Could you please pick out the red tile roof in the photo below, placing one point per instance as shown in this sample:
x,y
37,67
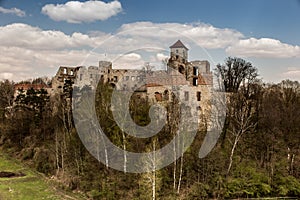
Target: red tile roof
x,y
27,86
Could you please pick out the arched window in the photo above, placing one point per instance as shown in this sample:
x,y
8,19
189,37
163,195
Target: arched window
x,y
166,95
181,69
158,96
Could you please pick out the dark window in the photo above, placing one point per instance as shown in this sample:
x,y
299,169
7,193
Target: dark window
x,y
198,96
158,96
195,71
195,81
166,95
186,95
181,69
115,78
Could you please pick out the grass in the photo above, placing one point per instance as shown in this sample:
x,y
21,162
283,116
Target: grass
x,y
30,187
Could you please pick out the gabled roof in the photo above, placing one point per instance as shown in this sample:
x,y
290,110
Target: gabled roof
x,y
179,44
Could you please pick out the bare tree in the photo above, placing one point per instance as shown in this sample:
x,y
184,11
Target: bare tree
x,y
289,99
234,73
151,180
243,112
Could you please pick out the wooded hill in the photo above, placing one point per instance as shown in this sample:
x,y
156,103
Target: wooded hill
x,y
257,155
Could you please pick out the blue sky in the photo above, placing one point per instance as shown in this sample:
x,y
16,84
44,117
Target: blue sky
x,y
42,37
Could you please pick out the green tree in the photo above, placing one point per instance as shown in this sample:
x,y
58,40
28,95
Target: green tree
x,y
6,96
34,100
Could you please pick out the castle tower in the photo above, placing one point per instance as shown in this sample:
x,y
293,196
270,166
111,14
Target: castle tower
x,y
179,52
179,57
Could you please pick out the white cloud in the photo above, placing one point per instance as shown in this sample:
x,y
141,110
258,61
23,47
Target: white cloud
x,y
130,60
5,75
292,73
263,47
28,51
209,37
78,12
24,63
131,56
29,37
161,57
203,34
14,11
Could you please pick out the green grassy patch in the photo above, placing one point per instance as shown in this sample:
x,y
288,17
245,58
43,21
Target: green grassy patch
x,y
29,187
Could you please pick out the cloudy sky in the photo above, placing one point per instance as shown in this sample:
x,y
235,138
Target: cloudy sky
x,y
36,37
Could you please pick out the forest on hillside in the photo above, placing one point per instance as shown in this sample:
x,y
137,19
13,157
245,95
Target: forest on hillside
x,y
257,154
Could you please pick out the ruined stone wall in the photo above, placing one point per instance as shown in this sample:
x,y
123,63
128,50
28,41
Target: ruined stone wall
x,y
200,95
63,74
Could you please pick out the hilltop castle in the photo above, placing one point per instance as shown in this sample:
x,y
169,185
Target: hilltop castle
x,y
194,74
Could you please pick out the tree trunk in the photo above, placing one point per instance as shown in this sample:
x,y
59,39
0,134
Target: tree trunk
x,y
153,185
174,166
105,151
124,150
231,155
56,152
154,173
180,173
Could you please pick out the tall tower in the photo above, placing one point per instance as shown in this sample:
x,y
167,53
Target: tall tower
x,y
179,57
179,52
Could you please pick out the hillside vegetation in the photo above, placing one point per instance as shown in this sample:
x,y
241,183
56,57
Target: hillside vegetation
x,y
257,155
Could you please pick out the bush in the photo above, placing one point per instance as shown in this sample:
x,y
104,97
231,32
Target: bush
x,y
27,153
247,182
286,186
198,191
43,160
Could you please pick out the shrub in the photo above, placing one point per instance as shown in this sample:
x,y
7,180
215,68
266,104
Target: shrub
x,y
286,186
